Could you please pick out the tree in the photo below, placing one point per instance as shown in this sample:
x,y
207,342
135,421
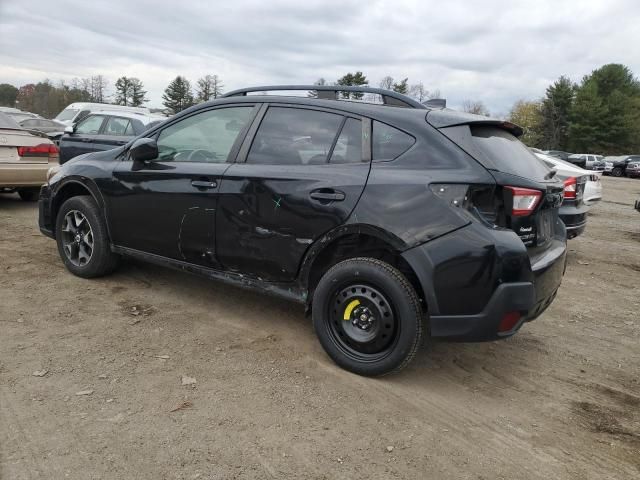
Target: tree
x,y
98,88
402,86
8,95
555,111
475,107
178,96
353,79
605,116
123,91
386,82
209,86
528,115
137,94
130,91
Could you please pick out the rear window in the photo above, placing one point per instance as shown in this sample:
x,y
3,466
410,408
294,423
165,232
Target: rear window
x,y
506,153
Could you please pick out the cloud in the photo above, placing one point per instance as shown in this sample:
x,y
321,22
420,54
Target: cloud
x,y
492,51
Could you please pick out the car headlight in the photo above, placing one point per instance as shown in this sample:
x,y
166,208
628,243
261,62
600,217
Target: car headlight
x,y
52,171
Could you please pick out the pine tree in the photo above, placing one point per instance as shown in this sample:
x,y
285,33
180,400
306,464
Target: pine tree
x,y
605,117
402,86
123,91
555,111
137,94
353,79
177,96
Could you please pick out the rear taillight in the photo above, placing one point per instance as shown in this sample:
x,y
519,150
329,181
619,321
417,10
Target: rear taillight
x,y
524,200
570,187
42,150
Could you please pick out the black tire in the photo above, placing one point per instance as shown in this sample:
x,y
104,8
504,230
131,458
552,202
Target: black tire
x,y
102,260
388,304
29,194
617,172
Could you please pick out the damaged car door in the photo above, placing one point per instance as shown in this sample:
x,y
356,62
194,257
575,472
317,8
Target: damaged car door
x,y
167,206
297,177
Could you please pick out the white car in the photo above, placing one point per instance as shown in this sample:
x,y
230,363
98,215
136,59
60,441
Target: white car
x,y
79,110
593,188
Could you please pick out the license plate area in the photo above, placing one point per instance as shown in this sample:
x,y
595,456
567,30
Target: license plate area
x,y
545,226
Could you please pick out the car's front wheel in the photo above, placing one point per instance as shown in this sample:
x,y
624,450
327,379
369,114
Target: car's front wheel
x,y
82,238
367,316
617,172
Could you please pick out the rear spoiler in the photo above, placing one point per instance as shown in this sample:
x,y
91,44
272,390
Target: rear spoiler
x,y
451,118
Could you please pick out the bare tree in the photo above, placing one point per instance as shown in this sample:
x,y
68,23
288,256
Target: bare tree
x,y
98,88
387,82
208,87
475,107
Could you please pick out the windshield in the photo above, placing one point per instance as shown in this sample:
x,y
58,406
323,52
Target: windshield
x,y
67,114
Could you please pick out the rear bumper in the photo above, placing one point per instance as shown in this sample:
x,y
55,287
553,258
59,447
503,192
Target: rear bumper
x,y
574,218
528,289
14,175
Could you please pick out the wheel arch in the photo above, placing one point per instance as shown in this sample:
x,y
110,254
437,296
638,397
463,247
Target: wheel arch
x,y
351,241
70,188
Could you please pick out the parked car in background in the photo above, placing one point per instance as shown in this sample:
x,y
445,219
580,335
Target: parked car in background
x,y
587,161
574,209
51,128
379,219
558,154
633,169
75,112
617,165
25,159
20,116
637,205
102,131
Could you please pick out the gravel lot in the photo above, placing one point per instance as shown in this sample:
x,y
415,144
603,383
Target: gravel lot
x,y
559,400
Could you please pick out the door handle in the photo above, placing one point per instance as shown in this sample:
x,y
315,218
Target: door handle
x,y
204,184
327,195
87,140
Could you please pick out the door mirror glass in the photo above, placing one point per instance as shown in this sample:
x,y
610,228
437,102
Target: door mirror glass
x,y
144,150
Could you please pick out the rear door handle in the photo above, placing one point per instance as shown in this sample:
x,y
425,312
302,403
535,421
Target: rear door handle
x,y
204,184
327,195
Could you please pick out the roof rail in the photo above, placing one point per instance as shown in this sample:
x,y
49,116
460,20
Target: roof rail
x,y
330,92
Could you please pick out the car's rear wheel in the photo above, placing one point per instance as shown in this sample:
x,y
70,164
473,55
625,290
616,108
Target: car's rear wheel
x,y
617,172
29,194
82,238
367,316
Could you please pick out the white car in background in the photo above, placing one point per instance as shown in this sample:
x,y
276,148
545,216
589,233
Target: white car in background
x,y
593,188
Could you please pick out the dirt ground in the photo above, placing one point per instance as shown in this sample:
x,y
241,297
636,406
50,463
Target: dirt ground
x,y
559,400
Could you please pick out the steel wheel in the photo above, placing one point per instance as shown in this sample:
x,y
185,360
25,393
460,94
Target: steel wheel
x,y
77,238
362,322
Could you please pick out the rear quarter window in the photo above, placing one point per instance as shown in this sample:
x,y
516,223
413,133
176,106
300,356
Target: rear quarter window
x,y
388,143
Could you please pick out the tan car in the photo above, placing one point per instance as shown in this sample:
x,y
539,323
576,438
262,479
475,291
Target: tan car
x,y
25,159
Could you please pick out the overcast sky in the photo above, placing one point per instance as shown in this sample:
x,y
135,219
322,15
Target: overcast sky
x,y
493,51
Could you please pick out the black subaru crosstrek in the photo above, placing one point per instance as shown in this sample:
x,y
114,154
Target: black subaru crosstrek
x,y
389,221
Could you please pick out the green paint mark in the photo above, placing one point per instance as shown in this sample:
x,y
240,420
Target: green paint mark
x,y
277,202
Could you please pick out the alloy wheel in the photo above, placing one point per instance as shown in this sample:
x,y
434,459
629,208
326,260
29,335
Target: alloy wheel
x,y
77,238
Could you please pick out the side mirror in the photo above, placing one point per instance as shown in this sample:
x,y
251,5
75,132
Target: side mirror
x,y
144,150
70,129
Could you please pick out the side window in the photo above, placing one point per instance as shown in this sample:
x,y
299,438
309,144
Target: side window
x,y
388,143
117,126
90,125
294,136
204,137
82,115
348,148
